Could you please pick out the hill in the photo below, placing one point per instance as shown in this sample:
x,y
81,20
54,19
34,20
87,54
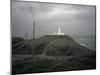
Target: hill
x,y
58,45
52,53
19,46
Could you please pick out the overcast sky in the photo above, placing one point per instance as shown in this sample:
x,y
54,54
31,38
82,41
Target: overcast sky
x,y
72,19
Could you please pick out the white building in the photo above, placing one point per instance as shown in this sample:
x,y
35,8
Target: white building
x,y
58,33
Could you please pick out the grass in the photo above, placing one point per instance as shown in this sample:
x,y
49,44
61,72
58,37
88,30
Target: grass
x,y
46,64
52,53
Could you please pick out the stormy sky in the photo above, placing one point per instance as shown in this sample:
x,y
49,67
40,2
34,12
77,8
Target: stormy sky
x,y
74,20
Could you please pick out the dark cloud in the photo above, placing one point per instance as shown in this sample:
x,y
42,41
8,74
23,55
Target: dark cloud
x,y
73,19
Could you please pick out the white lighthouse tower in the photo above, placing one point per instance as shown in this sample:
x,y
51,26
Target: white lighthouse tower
x,y
59,32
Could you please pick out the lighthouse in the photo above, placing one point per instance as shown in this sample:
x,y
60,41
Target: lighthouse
x,y
58,32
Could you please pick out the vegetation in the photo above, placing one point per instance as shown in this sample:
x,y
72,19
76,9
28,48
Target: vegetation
x,y
52,53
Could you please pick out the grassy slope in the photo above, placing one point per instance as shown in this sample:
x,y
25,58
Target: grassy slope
x,y
57,53
58,45
19,46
